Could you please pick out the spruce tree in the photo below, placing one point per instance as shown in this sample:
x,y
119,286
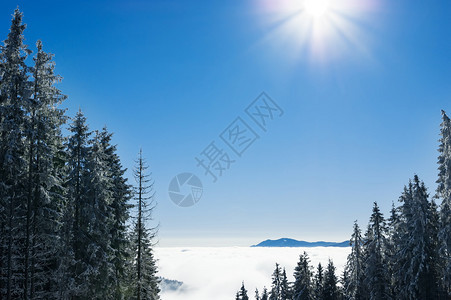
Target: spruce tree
x,y
415,278
45,190
444,193
302,286
376,279
391,248
257,294
285,291
276,287
318,282
265,295
435,273
242,293
353,286
77,211
15,91
143,276
119,206
330,288
98,212
344,281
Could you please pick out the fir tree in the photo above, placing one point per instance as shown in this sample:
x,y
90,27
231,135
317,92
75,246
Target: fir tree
x,y
302,286
15,91
444,193
276,288
415,278
120,195
144,279
434,250
391,248
353,285
78,150
257,294
318,282
46,199
285,290
265,295
344,281
376,279
242,293
330,289
98,212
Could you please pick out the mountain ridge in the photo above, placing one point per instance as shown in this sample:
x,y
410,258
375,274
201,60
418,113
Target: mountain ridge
x,y
287,242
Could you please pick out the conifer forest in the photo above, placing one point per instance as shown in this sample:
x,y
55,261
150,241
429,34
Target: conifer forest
x,y
73,226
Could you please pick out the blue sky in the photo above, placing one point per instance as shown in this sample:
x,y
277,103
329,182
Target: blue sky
x,y
361,103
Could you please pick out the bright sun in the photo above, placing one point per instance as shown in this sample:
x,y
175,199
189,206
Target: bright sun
x,y
317,8
322,30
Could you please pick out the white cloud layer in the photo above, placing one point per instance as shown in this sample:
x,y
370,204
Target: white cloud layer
x,y
217,272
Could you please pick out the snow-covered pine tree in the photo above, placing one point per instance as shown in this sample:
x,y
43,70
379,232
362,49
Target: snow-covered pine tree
x,y
434,249
121,194
415,278
242,293
98,213
257,294
46,201
302,286
318,282
285,291
344,280
265,295
376,272
15,91
444,193
330,288
353,286
76,218
391,248
276,287
144,282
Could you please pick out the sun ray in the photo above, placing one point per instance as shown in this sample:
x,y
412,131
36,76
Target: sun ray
x,y
317,8
325,28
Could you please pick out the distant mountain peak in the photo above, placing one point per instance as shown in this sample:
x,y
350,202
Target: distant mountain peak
x,y
287,242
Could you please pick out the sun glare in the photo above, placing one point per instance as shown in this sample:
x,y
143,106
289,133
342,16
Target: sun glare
x,y
317,8
319,30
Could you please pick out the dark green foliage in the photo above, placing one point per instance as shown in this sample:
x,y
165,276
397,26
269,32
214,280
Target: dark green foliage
x,y
121,193
15,91
415,274
376,277
242,293
302,286
285,290
144,281
330,289
276,287
63,202
318,282
353,286
444,193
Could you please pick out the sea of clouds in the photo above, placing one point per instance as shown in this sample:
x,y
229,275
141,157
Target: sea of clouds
x,y
217,272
